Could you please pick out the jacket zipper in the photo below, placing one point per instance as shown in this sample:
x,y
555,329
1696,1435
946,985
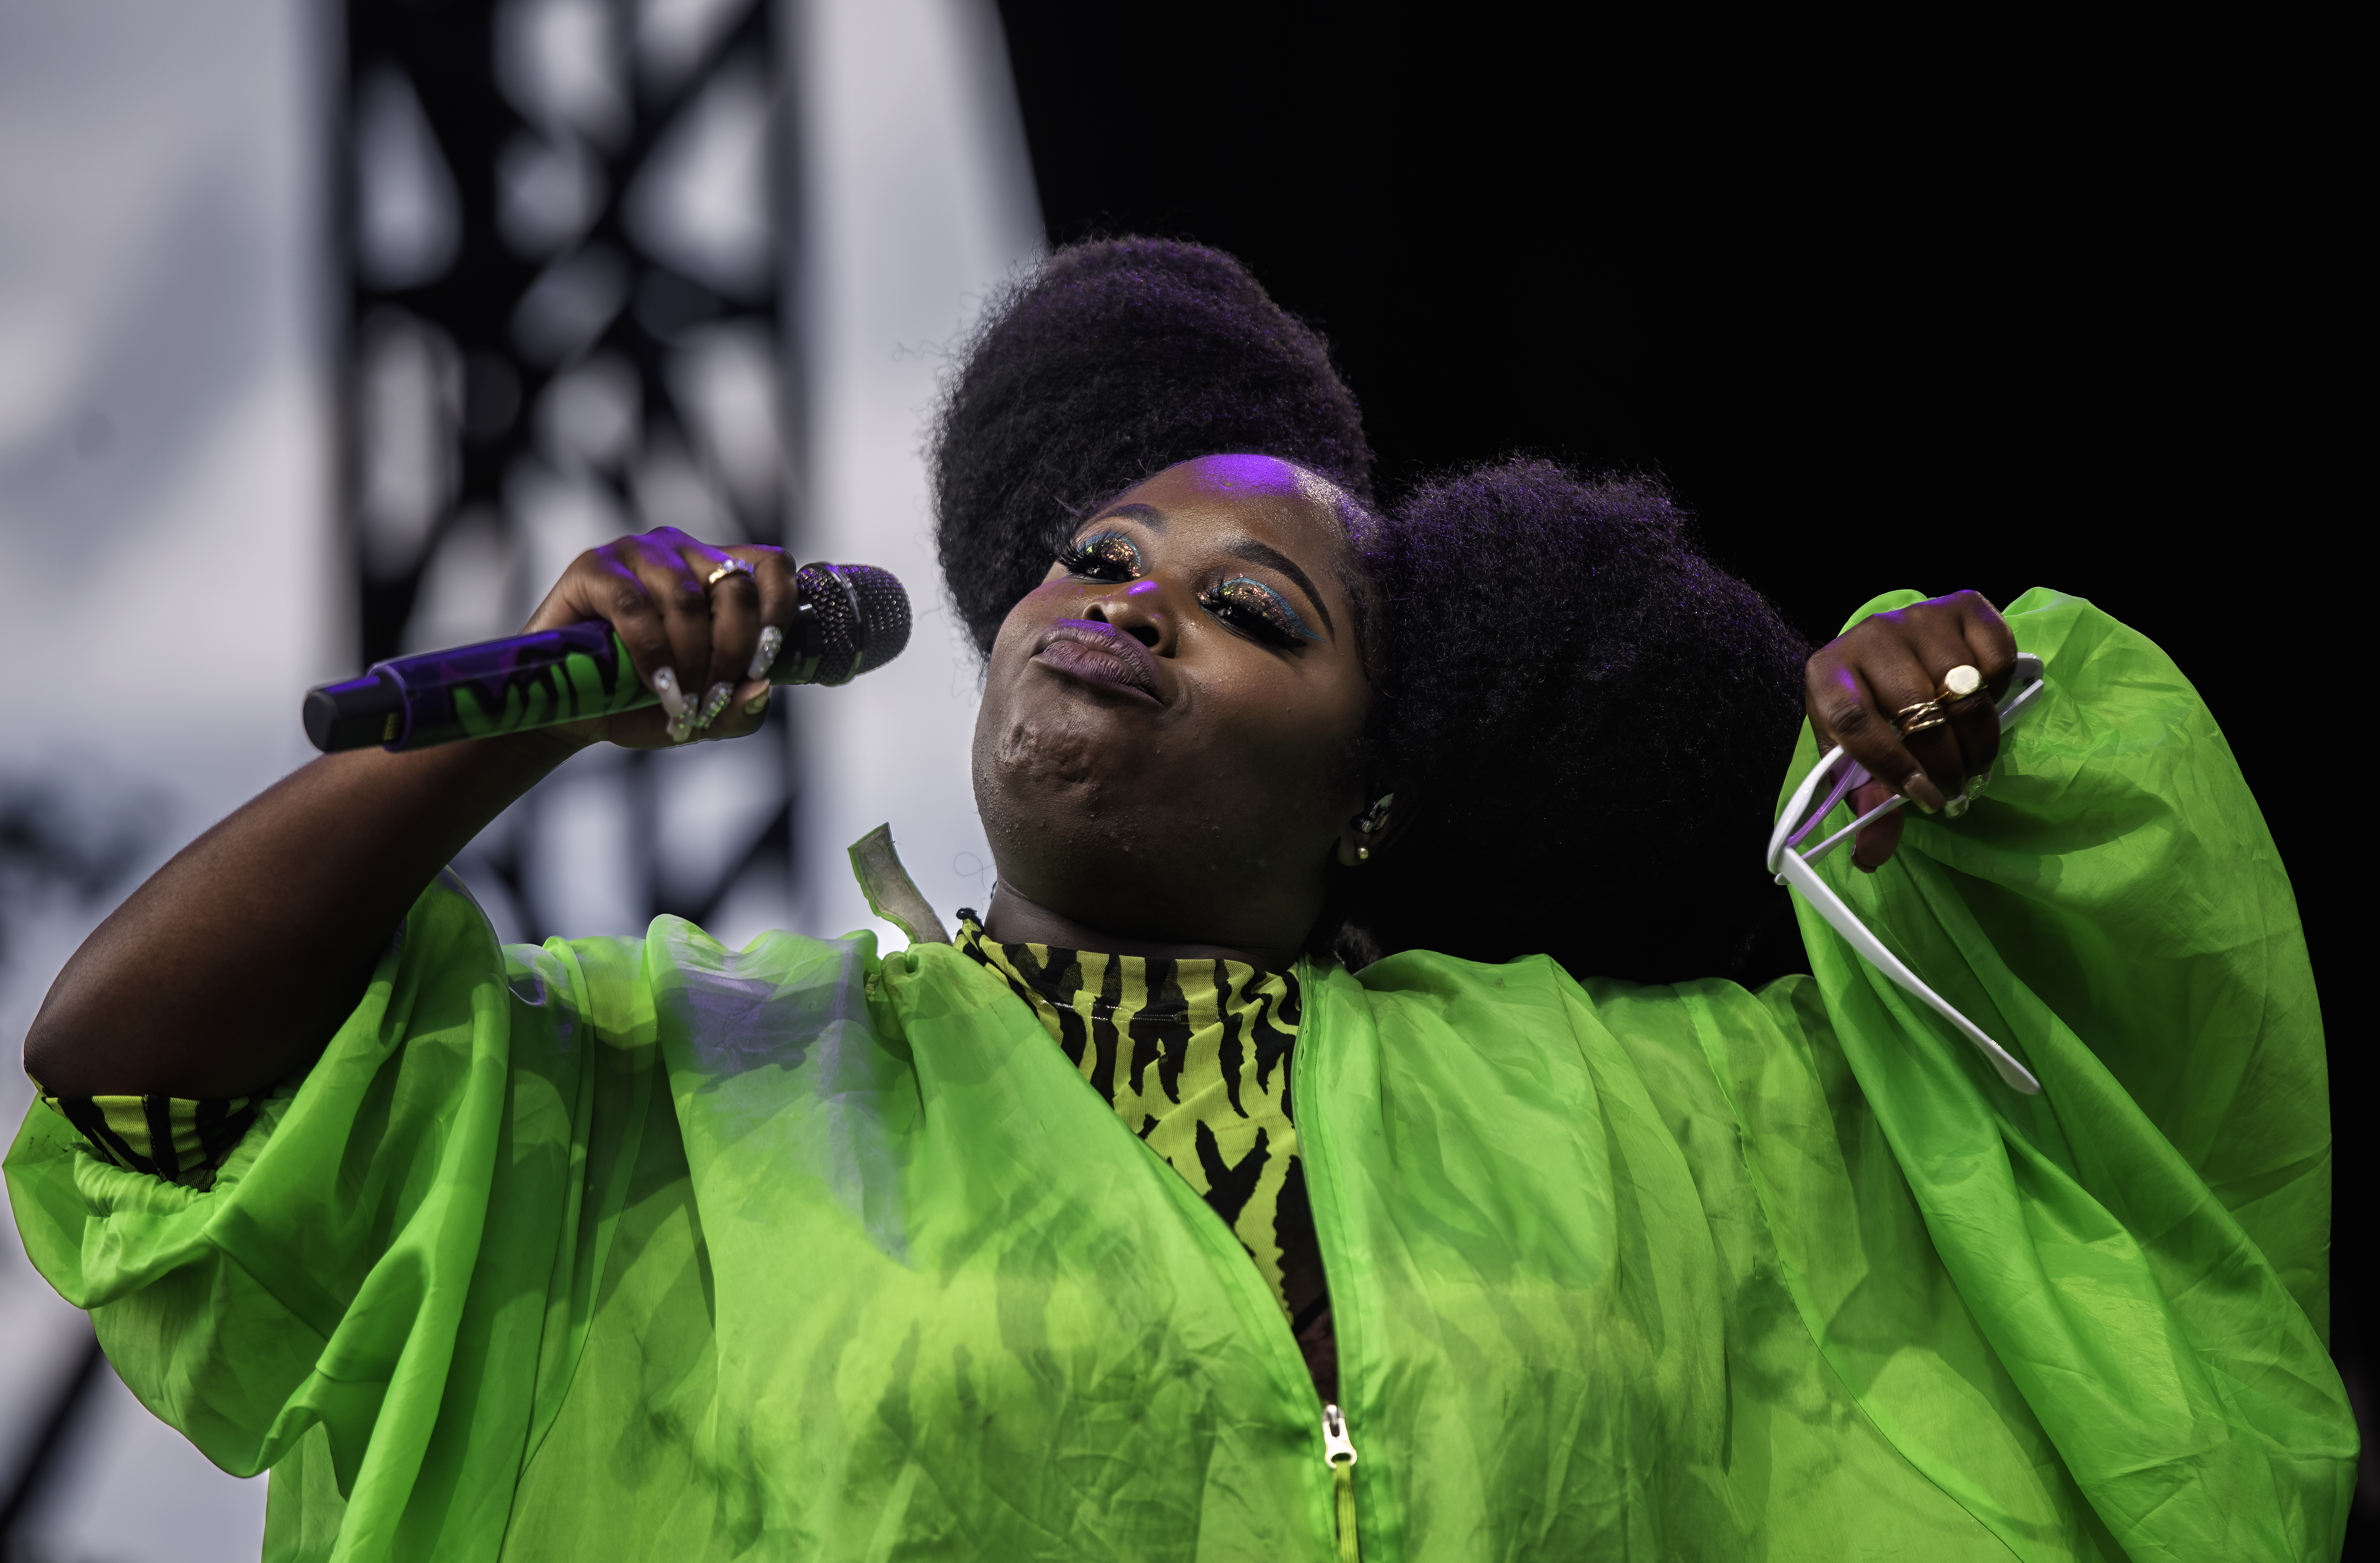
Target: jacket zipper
x,y
1337,1446
1339,1454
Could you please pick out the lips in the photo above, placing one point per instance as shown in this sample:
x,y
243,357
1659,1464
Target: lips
x,y
1100,656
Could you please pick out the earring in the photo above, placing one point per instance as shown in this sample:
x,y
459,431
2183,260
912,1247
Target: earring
x,y
1372,818
1363,854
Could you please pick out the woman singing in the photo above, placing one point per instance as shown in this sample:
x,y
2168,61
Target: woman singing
x,y
1343,1134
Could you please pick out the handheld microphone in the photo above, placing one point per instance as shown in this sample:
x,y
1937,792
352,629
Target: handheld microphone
x,y
849,618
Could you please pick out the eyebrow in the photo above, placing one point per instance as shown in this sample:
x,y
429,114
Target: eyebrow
x,y
1255,552
1248,549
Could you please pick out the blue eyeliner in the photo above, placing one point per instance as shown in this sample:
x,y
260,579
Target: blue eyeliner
x,y
1273,606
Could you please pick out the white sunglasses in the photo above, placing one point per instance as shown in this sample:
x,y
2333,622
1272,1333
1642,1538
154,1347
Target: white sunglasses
x,y
1839,774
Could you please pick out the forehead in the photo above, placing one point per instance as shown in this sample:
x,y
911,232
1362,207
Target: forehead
x,y
1284,501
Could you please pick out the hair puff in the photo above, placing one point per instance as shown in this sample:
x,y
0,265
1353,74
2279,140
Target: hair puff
x,y
1591,719
1114,360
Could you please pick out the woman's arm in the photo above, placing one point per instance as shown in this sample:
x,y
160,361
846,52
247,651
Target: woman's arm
x,y
265,929
2119,873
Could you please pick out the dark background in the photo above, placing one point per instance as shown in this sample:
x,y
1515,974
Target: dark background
x,y
1963,305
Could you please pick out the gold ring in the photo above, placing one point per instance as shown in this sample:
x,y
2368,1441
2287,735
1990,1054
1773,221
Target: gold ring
x,y
733,567
1961,682
1923,717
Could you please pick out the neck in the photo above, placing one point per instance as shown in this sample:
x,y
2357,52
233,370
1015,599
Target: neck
x,y
1014,919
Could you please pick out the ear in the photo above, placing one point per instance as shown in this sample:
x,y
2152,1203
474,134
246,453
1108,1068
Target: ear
x,y
1376,826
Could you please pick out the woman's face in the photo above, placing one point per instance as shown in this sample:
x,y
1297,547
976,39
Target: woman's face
x,y
1162,751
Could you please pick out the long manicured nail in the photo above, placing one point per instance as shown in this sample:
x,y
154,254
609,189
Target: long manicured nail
x,y
1977,783
679,730
1955,807
1919,789
673,698
757,703
764,656
714,700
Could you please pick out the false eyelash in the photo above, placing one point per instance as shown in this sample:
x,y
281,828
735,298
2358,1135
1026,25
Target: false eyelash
x,y
1107,555
1252,606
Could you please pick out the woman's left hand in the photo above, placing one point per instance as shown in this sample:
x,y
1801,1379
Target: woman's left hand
x,y
1862,683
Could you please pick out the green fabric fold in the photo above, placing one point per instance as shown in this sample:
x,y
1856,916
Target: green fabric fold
x,y
2170,1345
649,1248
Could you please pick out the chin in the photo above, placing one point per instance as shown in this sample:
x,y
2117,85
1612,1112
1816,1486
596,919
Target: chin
x,y
1069,835
1046,796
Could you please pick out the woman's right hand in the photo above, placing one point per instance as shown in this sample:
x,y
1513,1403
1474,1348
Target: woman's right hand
x,y
265,930
692,640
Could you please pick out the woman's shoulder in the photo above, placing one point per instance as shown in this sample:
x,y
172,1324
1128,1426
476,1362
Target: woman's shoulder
x,y
1428,978
1690,1034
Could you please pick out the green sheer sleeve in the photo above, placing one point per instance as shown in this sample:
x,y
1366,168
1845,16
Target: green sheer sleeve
x,y
2144,1245
423,1210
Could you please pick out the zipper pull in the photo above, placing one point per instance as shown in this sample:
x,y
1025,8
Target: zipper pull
x,y
1337,1447
1339,1454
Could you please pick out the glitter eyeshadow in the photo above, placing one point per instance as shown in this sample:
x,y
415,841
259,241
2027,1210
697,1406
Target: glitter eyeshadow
x,y
1245,596
1104,552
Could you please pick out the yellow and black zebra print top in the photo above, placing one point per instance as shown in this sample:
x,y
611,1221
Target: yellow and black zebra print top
x,y
175,1138
1194,1055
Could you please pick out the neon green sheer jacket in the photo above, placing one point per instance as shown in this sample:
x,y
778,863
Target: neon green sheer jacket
x,y
629,1249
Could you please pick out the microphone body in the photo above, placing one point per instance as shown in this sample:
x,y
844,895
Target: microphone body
x,y
848,619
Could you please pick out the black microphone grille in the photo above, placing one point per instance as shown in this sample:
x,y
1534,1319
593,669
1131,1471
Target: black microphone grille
x,y
883,613
863,618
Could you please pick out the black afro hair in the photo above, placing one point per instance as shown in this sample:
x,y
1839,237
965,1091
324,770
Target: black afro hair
x,y
1585,718
1592,718
1116,360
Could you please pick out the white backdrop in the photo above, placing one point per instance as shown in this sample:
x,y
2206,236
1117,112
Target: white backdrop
x,y
919,200
166,559
170,574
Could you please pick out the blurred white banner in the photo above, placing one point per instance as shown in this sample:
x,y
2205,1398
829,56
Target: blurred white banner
x,y
918,203
169,578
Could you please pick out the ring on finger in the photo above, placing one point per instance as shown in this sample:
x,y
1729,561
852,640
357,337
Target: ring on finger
x,y
733,567
1961,682
1923,717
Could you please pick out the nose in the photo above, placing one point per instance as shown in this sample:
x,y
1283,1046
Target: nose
x,y
1138,610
